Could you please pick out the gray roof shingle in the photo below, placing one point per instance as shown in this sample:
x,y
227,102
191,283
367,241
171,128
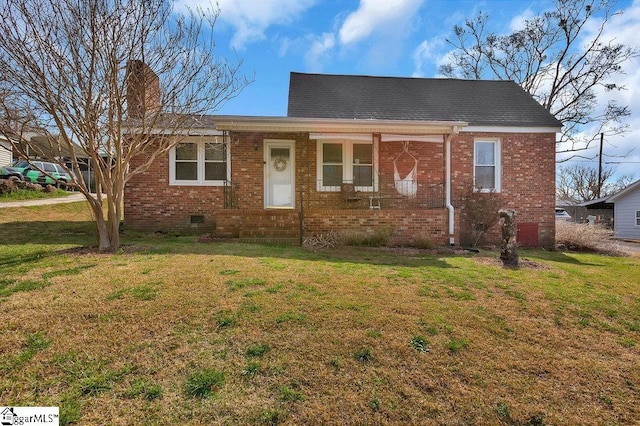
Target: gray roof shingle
x,y
478,102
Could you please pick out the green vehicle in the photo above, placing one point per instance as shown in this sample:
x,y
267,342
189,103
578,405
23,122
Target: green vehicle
x,y
55,174
11,174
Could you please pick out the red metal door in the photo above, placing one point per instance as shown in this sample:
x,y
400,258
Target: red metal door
x,y
527,234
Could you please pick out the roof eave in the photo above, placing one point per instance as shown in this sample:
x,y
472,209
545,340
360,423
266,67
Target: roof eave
x,y
296,124
624,191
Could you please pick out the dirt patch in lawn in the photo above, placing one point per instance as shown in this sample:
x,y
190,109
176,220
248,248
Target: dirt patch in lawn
x,y
522,263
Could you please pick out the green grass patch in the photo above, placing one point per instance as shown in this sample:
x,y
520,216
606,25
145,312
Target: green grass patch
x,y
203,383
251,369
34,343
272,416
256,351
26,194
291,393
11,286
457,345
144,292
363,355
291,317
419,343
241,283
68,271
144,389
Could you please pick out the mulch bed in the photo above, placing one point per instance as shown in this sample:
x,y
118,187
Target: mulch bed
x,y
522,263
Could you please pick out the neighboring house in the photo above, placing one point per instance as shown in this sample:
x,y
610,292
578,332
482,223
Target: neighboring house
x,y
600,208
626,212
361,154
6,152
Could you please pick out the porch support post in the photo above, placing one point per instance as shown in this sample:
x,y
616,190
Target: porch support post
x,y
448,204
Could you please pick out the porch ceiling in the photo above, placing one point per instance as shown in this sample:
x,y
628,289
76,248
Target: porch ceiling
x,y
295,124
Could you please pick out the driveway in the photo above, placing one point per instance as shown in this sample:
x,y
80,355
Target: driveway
x,y
73,198
632,248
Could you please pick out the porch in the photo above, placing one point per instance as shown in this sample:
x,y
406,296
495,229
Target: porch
x,y
404,226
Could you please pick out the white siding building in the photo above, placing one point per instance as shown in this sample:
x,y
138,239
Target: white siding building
x,y
626,215
5,153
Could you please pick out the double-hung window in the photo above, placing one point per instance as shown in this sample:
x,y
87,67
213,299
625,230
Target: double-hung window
x,y
637,217
199,162
486,165
345,161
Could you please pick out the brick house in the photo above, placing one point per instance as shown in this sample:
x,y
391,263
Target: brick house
x,y
361,154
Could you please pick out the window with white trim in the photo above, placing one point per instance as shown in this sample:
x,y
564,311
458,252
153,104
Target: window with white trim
x,y
486,165
637,217
199,162
344,161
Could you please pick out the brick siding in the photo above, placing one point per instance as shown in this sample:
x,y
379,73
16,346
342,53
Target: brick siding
x,y
528,186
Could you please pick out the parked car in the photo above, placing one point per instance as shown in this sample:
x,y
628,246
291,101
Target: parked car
x,y
55,174
10,173
561,214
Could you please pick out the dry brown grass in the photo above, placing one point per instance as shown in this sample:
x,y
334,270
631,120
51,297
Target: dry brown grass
x,y
113,339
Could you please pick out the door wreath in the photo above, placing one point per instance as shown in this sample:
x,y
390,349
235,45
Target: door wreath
x,y
280,164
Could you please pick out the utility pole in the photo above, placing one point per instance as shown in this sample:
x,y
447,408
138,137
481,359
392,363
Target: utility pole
x,y
600,166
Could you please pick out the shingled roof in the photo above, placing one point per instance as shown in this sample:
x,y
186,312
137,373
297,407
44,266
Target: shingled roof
x,y
478,102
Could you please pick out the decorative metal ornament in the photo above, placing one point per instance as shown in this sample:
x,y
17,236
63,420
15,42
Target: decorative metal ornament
x,y
280,164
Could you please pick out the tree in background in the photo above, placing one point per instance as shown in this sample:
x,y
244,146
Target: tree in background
x,y
576,183
67,68
550,58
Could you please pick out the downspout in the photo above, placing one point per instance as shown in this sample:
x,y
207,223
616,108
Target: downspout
x,y
448,204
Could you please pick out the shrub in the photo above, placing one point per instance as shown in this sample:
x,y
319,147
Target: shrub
x,y
379,237
376,238
481,211
580,237
320,241
423,240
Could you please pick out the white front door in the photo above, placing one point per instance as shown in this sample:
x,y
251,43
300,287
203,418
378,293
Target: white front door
x,y
279,174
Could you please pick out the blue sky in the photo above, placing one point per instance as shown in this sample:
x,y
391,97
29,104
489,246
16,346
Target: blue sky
x,y
378,37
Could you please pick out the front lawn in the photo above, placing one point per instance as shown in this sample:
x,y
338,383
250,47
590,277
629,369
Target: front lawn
x,y
171,331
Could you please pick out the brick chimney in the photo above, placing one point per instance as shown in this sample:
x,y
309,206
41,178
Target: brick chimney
x,y
143,89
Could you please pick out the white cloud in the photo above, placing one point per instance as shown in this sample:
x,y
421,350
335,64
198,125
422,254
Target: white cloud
x,y
378,15
517,22
319,51
427,52
250,19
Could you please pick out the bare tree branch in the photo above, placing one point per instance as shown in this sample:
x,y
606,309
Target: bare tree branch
x,y
577,183
66,67
550,60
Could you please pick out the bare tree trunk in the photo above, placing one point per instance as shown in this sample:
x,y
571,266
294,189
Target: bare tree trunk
x,y
101,225
508,253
